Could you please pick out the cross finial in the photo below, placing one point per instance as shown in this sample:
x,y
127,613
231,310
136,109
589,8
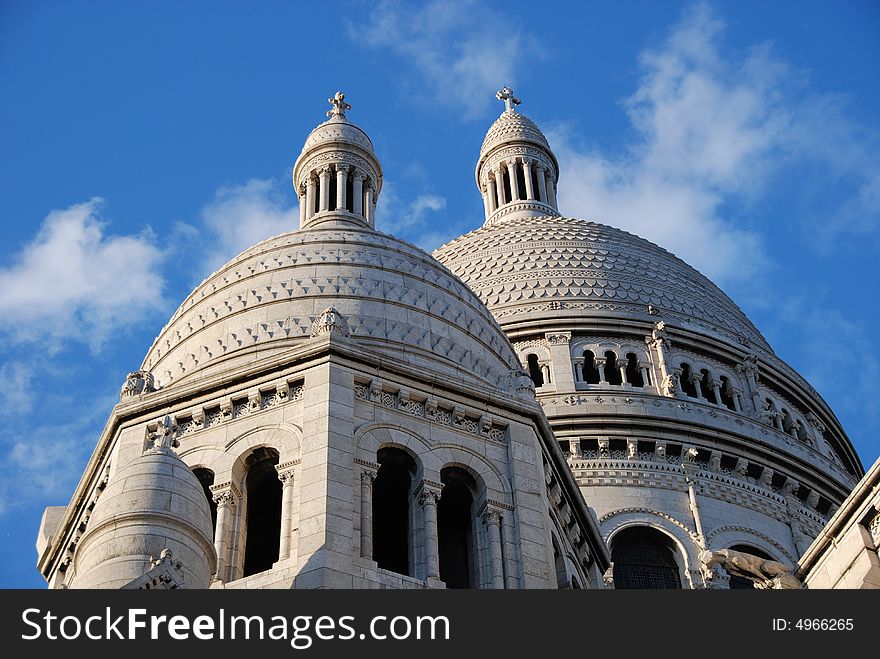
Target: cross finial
x,y
506,95
339,105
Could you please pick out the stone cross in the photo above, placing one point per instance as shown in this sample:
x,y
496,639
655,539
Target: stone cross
x,y
339,105
506,95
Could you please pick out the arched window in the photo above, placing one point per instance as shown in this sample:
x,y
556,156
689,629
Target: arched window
x,y
536,190
687,384
741,583
727,393
706,385
455,528
263,511
644,558
612,370
633,372
535,370
206,478
507,186
391,509
520,180
591,373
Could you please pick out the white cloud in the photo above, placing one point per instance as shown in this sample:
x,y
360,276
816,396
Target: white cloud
x,y
410,220
711,130
75,282
463,50
241,216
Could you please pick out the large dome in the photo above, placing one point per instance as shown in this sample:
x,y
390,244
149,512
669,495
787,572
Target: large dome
x,y
557,267
394,297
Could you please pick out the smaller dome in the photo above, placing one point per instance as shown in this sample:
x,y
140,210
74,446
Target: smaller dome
x,y
153,504
512,126
338,129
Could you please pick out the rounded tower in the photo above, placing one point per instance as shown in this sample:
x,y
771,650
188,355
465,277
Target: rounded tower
x,y
683,428
152,517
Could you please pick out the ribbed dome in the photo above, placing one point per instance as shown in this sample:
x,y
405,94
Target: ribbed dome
x,y
393,296
561,267
338,129
153,503
512,126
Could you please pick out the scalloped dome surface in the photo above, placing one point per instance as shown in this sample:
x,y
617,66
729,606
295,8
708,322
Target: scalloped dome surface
x,y
511,126
563,267
338,129
395,298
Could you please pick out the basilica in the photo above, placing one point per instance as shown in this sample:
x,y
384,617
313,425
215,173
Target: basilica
x,y
544,402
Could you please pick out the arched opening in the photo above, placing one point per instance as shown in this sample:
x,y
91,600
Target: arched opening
x,y
644,558
591,373
633,372
206,479
455,527
727,393
520,180
536,190
349,194
332,201
506,177
391,509
706,386
535,370
612,370
263,511
741,583
687,381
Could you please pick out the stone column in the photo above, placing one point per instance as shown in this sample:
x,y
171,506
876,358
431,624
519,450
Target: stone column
x,y
357,192
492,193
527,174
690,473
560,356
622,367
514,185
716,391
285,475
341,184
310,197
492,520
368,202
499,178
551,190
646,378
226,497
737,401
600,366
486,209
578,370
324,193
367,478
698,389
429,498
542,182
302,207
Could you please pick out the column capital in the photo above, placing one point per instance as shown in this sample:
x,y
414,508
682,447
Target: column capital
x,y
225,494
324,170
285,471
357,174
491,516
429,495
368,476
342,168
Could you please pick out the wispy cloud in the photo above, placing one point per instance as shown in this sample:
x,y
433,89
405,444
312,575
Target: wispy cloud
x,y
241,216
415,220
76,282
462,50
711,129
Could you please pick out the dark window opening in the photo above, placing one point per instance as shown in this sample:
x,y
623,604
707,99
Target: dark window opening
x,y
391,510
206,479
349,194
454,527
612,370
705,386
520,180
317,194
727,393
263,511
506,177
535,370
741,583
591,373
332,201
644,558
687,384
536,190
633,372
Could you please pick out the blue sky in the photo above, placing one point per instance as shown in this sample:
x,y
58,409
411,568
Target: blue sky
x,y
145,144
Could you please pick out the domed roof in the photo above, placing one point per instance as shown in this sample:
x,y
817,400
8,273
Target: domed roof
x,y
512,126
394,298
153,503
558,267
338,129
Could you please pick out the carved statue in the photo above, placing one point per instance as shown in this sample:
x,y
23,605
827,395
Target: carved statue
x,y
339,105
765,574
165,435
767,414
330,322
137,383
